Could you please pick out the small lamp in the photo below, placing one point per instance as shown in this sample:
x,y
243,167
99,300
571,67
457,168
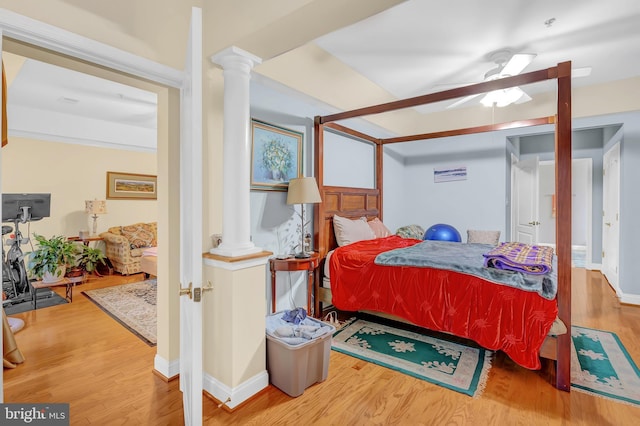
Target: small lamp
x,y
303,190
95,207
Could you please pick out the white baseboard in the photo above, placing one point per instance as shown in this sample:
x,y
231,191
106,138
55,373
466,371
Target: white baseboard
x,y
631,299
594,266
240,393
167,368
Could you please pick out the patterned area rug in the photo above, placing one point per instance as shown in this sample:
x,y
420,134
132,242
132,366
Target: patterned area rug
x,y
451,365
601,366
132,305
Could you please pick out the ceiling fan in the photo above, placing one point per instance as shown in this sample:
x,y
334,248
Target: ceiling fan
x,y
508,65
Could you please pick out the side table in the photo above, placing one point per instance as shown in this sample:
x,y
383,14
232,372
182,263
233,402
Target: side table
x,y
293,264
85,241
41,284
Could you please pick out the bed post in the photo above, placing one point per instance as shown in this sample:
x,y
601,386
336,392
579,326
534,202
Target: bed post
x,y
563,223
318,166
379,164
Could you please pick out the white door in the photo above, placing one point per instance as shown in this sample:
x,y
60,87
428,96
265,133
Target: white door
x,y
525,201
1,124
610,215
191,226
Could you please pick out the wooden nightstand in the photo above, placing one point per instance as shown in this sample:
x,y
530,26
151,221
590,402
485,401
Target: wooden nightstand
x,y
292,264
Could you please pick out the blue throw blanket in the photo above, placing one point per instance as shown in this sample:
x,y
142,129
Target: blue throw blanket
x,y
468,259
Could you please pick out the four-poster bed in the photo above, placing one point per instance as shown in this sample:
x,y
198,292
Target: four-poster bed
x,y
367,202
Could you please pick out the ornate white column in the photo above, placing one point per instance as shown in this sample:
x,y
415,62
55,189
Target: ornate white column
x,y
236,213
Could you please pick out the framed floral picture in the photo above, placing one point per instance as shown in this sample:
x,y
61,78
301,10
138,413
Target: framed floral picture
x,y
276,156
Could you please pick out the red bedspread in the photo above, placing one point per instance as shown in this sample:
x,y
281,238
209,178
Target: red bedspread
x,y
496,316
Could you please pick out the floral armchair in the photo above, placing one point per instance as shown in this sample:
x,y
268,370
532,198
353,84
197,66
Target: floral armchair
x,y
125,244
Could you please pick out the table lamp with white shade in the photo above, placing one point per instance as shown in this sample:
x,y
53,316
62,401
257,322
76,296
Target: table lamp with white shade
x,y
94,208
303,190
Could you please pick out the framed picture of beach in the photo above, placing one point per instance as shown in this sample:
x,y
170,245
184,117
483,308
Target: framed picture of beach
x,y
276,156
449,174
131,186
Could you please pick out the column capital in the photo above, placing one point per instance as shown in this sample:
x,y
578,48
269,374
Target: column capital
x,y
234,55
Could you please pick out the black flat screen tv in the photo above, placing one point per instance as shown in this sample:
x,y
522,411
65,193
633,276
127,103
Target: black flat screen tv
x,y
25,207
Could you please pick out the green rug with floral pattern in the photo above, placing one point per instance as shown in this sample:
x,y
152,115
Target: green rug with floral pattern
x,y
448,364
601,366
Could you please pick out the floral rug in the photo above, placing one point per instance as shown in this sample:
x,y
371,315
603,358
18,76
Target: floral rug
x,y
132,305
448,364
601,366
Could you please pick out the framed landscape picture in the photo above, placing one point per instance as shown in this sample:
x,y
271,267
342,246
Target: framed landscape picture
x,y
131,186
276,156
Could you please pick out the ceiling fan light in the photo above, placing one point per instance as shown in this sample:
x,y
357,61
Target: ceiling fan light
x,y
517,63
502,97
490,98
509,96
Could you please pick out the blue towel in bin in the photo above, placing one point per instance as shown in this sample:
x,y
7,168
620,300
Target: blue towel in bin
x,y
295,315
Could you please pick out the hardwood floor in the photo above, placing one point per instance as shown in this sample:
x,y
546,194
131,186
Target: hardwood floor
x,y
75,353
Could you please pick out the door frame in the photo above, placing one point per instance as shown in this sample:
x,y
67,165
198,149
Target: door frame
x,y
614,280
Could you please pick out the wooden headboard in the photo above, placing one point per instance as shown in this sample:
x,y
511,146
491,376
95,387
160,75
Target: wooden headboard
x,y
351,203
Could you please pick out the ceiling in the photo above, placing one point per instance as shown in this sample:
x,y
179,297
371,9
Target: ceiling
x,y
414,48
420,47
50,102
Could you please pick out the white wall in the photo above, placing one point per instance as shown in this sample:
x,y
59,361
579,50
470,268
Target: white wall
x,y
393,175
475,203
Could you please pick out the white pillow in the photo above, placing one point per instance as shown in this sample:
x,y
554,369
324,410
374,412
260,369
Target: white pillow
x,y
483,237
349,231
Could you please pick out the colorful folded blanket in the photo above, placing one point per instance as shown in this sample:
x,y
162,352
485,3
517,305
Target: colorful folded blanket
x,y
520,257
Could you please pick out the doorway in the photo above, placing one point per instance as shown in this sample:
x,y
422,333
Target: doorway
x,y
581,208
533,206
94,60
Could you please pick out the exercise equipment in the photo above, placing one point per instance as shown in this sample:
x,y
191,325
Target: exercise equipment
x,y
442,232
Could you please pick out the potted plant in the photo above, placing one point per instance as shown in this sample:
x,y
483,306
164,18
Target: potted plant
x,y
89,258
51,258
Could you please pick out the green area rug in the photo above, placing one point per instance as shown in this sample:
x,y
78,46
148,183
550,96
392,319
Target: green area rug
x,y
132,305
448,364
601,366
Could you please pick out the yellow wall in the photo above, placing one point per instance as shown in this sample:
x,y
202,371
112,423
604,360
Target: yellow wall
x,y
73,174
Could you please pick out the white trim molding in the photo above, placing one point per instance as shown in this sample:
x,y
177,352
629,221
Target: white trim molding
x,y
38,33
236,266
168,369
233,397
630,299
